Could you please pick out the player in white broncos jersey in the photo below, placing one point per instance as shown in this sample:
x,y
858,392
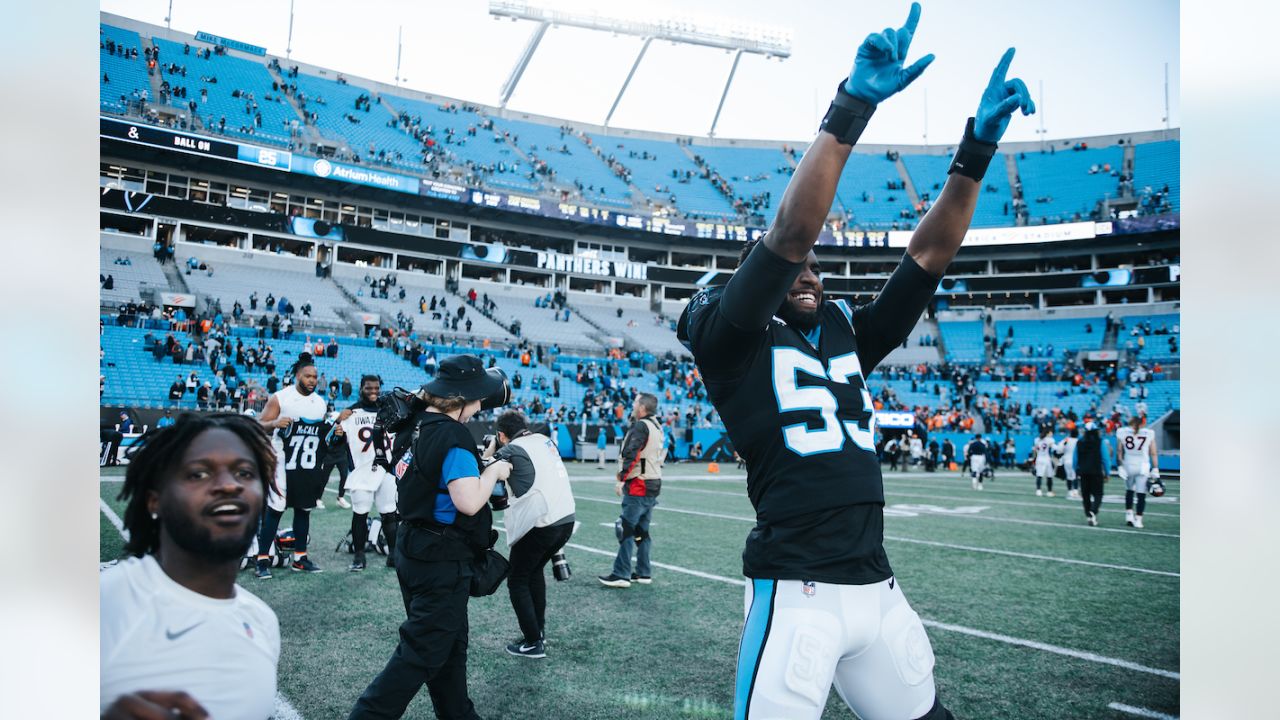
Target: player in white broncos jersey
x,y
368,482
1136,446
1067,449
1042,449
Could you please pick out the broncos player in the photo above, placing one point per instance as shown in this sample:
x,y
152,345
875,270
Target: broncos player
x,y
786,369
1139,464
1042,459
369,482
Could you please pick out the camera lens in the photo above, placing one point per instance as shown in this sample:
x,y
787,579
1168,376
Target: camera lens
x,y
560,566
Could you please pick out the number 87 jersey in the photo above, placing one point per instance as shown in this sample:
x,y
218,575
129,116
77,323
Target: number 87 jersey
x,y
369,446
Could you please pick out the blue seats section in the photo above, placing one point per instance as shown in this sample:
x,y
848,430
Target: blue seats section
x,y
870,174
484,149
1155,165
696,197
334,103
995,208
232,74
124,75
1064,177
963,341
1038,335
769,170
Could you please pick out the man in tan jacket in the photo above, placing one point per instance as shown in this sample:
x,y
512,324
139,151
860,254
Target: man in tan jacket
x,y
640,461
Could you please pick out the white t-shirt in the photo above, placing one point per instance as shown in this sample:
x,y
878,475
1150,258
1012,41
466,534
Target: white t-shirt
x,y
158,635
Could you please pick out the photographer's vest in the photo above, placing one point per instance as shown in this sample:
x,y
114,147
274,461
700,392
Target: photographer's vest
x,y
645,477
549,500
419,474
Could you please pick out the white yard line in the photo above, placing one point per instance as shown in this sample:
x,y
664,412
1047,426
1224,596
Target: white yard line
x,y
1141,712
972,632
284,709
950,546
114,518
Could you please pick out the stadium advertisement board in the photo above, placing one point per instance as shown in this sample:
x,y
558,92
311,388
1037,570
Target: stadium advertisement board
x,y
244,47
321,168
1017,235
143,134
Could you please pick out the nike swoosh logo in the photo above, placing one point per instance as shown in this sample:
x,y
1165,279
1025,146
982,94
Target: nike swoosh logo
x,y
890,583
527,648
175,635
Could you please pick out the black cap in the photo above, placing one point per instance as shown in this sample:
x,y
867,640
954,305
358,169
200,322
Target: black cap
x,y
463,375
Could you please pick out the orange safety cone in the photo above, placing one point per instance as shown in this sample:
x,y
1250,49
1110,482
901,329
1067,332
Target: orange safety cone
x,y
713,467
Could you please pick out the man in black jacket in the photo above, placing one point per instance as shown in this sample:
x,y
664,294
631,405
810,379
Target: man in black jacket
x,y
1093,467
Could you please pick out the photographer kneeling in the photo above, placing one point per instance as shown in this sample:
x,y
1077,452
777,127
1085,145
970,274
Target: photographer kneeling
x,y
445,523
539,520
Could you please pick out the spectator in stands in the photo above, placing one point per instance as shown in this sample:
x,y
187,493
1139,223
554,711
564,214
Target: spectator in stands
x,y
204,395
177,389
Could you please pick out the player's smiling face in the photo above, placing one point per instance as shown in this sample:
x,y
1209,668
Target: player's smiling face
x,y
211,500
805,297
369,392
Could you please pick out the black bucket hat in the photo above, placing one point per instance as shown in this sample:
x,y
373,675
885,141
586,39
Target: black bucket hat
x,y
464,375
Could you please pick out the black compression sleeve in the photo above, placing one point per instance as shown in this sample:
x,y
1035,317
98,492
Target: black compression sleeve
x,y
757,288
887,321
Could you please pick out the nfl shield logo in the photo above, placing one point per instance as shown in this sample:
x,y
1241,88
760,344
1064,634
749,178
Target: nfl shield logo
x,y
248,631
403,465
809,589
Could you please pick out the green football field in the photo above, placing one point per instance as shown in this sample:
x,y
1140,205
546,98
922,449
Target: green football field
x,y
1031,613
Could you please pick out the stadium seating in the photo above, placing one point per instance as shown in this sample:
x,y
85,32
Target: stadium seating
x,y
769,169
1064,179
334,103
484,149
1156,165
636,323
238,273
1154,347
124,75
995,209
963,340
695,196
571,159
1161,397
1033,338
142,272
1045,394
882,209
231,74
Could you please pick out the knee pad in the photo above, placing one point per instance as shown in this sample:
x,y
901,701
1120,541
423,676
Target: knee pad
x,y
908,644
623,529
641,534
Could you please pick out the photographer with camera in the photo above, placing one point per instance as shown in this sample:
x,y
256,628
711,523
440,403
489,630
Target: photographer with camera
x,y
445,526
539,518
644,450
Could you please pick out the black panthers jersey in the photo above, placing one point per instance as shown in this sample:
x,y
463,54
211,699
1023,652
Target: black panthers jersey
x,y
305,471
797,408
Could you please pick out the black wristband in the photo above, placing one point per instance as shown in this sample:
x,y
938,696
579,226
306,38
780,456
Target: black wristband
x,y
973,156
847,116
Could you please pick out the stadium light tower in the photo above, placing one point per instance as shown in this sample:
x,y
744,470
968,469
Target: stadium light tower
x,y
759,40
1040,112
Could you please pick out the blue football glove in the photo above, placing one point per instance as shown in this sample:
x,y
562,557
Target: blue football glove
x,y
877,70
999,101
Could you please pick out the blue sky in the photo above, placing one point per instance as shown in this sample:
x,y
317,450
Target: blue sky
x,y
1101,63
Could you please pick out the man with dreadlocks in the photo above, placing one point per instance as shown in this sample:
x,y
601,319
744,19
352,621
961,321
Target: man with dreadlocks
x,y
295,414
178,637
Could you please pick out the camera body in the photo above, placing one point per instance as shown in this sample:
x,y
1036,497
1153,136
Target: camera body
x,y
502,395
498,499
560,566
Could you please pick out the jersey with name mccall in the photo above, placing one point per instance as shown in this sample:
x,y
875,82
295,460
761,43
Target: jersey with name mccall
x,y
797,408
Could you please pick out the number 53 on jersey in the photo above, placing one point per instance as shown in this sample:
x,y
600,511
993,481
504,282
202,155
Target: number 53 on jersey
x,y
788,365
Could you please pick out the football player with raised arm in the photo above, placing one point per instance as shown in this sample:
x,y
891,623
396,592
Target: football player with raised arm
x,y
786,369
